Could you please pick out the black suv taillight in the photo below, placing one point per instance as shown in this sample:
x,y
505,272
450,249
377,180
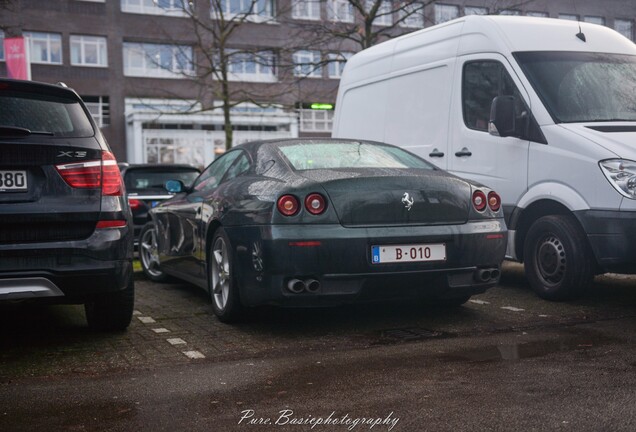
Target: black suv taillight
x,y
94,174
111,177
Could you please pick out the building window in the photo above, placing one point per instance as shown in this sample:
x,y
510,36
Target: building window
x,y
569,17
157,61
412,15
538,14
45,48
340,10
337,63
1,45
307,64
316,120
254,67
99,108
384,15
88,51
171,149
253,10
445,13
306,9
509,12
624,27
474,10
156,7
594,20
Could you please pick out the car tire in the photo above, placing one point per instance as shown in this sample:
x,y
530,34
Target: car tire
x,y
223,288
149,255
112,312
558,261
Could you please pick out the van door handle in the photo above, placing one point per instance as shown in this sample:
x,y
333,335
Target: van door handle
x,y
463,152
436,153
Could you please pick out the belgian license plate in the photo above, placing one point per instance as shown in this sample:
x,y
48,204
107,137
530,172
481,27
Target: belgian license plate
x,y
408,253
13,181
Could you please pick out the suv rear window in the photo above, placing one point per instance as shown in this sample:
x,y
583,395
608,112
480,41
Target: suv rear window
x,y
42,113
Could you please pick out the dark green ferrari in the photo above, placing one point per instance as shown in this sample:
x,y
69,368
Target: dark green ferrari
x,y
313,222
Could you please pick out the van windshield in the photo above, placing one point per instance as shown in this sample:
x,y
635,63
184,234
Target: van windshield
x,y
583,87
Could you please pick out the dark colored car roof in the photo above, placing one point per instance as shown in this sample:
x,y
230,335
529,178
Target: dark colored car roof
x,y
38,87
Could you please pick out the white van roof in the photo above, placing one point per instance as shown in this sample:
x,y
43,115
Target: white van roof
x,y
484,33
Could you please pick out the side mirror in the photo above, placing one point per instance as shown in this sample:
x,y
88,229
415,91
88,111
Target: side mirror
x,y
175,186
502,117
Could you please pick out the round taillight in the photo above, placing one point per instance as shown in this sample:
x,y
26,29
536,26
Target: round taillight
x,y
494,201
315,203
288,205
479,200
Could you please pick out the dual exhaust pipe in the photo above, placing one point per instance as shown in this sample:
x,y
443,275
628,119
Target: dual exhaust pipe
x,y
298,286
487,274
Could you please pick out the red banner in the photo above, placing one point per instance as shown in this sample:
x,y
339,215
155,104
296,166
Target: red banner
x,y
16,56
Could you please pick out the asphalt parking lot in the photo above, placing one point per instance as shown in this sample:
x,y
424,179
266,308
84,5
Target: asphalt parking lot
x,y
504,361
174,324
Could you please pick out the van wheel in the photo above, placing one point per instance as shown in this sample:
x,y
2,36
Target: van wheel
x,y
557,260
112,312
223,288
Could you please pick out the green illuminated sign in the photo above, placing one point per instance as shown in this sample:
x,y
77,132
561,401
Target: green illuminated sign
x,y
321,106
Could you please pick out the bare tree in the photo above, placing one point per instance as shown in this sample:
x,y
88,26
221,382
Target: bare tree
x,y
224,54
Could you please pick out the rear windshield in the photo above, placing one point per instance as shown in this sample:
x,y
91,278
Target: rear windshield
x,y
332,155
140,179
46,114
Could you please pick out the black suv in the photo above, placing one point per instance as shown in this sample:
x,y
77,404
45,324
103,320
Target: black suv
x,y
65,226
145,186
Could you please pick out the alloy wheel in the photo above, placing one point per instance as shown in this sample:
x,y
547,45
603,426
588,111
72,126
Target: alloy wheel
x,y
220,273
149,253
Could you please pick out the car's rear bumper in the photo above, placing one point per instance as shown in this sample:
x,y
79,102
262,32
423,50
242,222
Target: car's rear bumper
x,y
72,271
339,259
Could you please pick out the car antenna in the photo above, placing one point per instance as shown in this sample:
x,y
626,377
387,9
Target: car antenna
x,y
580,34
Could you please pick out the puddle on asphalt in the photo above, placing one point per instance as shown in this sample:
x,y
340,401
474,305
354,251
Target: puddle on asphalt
x,y
578,341
523,350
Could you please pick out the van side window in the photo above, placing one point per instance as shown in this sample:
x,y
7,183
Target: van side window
x,y
482,81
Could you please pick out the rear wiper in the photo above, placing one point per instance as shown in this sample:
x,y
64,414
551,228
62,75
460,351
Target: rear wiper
x,y
13,131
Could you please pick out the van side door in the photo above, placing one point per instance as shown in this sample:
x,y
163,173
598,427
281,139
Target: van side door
x,y
500,163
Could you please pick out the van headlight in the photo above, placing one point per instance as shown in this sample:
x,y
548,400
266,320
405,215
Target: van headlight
x,y
621,173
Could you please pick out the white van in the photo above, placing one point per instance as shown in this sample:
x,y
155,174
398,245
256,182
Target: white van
x,y
541,110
